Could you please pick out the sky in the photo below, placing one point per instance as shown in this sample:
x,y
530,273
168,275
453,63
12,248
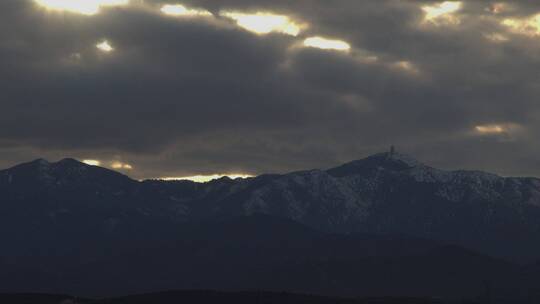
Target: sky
x,y
161,89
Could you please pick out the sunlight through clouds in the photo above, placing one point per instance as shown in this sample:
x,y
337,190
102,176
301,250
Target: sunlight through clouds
x,y
327,44
526,26
498,129
178,10
92,162
105,46
264,23
206,178
117,165
490,129
85,7
121,166
443,12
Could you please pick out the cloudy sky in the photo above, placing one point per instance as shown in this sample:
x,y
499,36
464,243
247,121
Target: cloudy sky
x,y
167,89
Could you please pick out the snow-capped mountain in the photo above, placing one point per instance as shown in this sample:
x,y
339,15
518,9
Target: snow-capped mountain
x,y
387,193
391,193
358,229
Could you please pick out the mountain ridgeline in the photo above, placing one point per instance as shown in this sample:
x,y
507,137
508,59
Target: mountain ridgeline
x,y
384,225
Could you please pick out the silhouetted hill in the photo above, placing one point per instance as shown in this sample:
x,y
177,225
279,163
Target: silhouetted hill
x,y
266,253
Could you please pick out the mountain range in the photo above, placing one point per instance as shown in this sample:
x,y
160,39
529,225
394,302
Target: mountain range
x,y
384,225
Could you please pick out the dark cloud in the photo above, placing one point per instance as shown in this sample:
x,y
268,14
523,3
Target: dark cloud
x,y
183,96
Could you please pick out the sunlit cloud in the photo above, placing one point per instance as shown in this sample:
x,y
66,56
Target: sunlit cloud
x,y
443,13
264,23
490,129
114,164
526,26
497,129
327,44
105,46
206,178
121,166
84,7
92,162
179,10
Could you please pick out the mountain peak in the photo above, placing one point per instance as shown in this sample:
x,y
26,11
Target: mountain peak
x,y
65,171
394,158
391,160
45,164
70,162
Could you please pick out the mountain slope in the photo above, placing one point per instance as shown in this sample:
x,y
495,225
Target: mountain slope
x,y
387,193
390,193
474,209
